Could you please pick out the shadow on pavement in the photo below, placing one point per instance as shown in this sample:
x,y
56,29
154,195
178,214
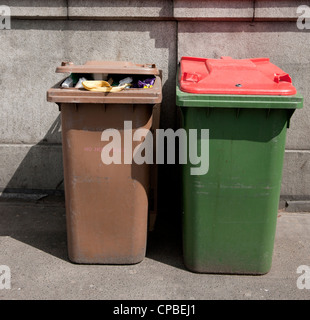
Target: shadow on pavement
x,y
42,225
165,242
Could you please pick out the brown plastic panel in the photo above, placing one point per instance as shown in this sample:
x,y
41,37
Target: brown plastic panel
x,y
115,67
106,205
132,96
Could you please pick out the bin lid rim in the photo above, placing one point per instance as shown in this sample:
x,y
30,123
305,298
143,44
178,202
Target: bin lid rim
x,y
184,99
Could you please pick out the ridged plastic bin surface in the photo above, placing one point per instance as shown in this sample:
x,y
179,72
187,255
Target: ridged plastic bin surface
x,y
107,205
230,213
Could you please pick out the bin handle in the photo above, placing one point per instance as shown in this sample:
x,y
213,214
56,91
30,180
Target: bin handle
x,y
191,77
66,63
149,65
282,77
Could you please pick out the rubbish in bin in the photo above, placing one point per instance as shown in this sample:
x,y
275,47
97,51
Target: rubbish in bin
x,y
79,84
127,80
67,83
107,205
103,86
230,213
147,83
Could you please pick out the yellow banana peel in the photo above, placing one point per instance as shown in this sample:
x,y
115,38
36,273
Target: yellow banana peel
x,y
102,86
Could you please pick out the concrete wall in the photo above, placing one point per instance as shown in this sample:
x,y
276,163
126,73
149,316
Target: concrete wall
x,y
44,33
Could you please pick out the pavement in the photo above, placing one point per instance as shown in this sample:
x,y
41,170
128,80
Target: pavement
x,y
33,247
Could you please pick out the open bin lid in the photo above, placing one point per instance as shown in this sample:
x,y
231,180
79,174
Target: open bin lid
x,y
234,77
127,96
111,67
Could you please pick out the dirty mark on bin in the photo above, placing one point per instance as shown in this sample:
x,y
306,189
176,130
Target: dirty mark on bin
x,y
202,192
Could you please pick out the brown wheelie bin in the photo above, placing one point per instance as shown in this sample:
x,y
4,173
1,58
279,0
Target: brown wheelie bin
x,y
107,205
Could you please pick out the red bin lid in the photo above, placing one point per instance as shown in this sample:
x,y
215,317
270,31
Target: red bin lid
x,y
233,76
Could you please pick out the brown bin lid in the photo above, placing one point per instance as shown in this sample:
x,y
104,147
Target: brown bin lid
x,y
119,67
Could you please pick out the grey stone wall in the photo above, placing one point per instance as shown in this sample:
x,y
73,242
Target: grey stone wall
x,y
44,33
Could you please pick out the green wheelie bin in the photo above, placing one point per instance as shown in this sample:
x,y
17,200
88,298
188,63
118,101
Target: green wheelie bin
x,y
230,210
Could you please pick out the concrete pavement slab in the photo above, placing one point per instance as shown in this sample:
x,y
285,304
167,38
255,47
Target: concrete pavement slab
x,y
33,246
